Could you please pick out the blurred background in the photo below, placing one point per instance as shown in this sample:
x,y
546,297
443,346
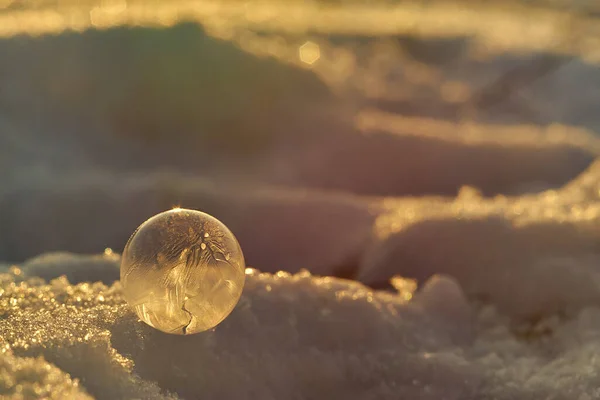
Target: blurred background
x,y
294,122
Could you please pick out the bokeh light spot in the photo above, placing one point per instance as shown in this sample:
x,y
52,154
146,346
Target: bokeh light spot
x,y
309,53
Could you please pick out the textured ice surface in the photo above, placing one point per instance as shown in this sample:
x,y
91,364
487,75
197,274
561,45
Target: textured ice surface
x,y
27,378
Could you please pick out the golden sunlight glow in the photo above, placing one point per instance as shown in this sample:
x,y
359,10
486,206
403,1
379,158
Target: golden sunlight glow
x,y
106,12
5,3
220,18
309,53
405,287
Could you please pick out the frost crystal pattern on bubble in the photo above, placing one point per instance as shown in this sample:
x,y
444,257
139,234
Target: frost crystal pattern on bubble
x,y
182,271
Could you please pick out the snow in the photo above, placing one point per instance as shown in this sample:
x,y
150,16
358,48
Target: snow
x,y
299,334
26,378
403,242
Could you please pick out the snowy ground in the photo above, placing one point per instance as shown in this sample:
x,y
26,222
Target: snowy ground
x,y
434,168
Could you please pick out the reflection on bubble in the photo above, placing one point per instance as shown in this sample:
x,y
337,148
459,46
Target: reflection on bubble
x,y
182,271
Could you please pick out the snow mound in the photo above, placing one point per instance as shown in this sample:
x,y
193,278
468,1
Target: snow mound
x,y
532,256
291,336
27,378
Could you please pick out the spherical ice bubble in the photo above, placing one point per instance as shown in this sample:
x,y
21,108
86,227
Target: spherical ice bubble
x,y
182,271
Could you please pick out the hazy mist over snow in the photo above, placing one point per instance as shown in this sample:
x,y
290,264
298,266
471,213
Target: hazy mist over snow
x,y
418,199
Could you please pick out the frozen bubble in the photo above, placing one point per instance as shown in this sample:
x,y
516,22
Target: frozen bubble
x,y
182,271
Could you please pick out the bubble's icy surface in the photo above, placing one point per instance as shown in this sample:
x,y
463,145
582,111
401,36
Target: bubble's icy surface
x,y
182,271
